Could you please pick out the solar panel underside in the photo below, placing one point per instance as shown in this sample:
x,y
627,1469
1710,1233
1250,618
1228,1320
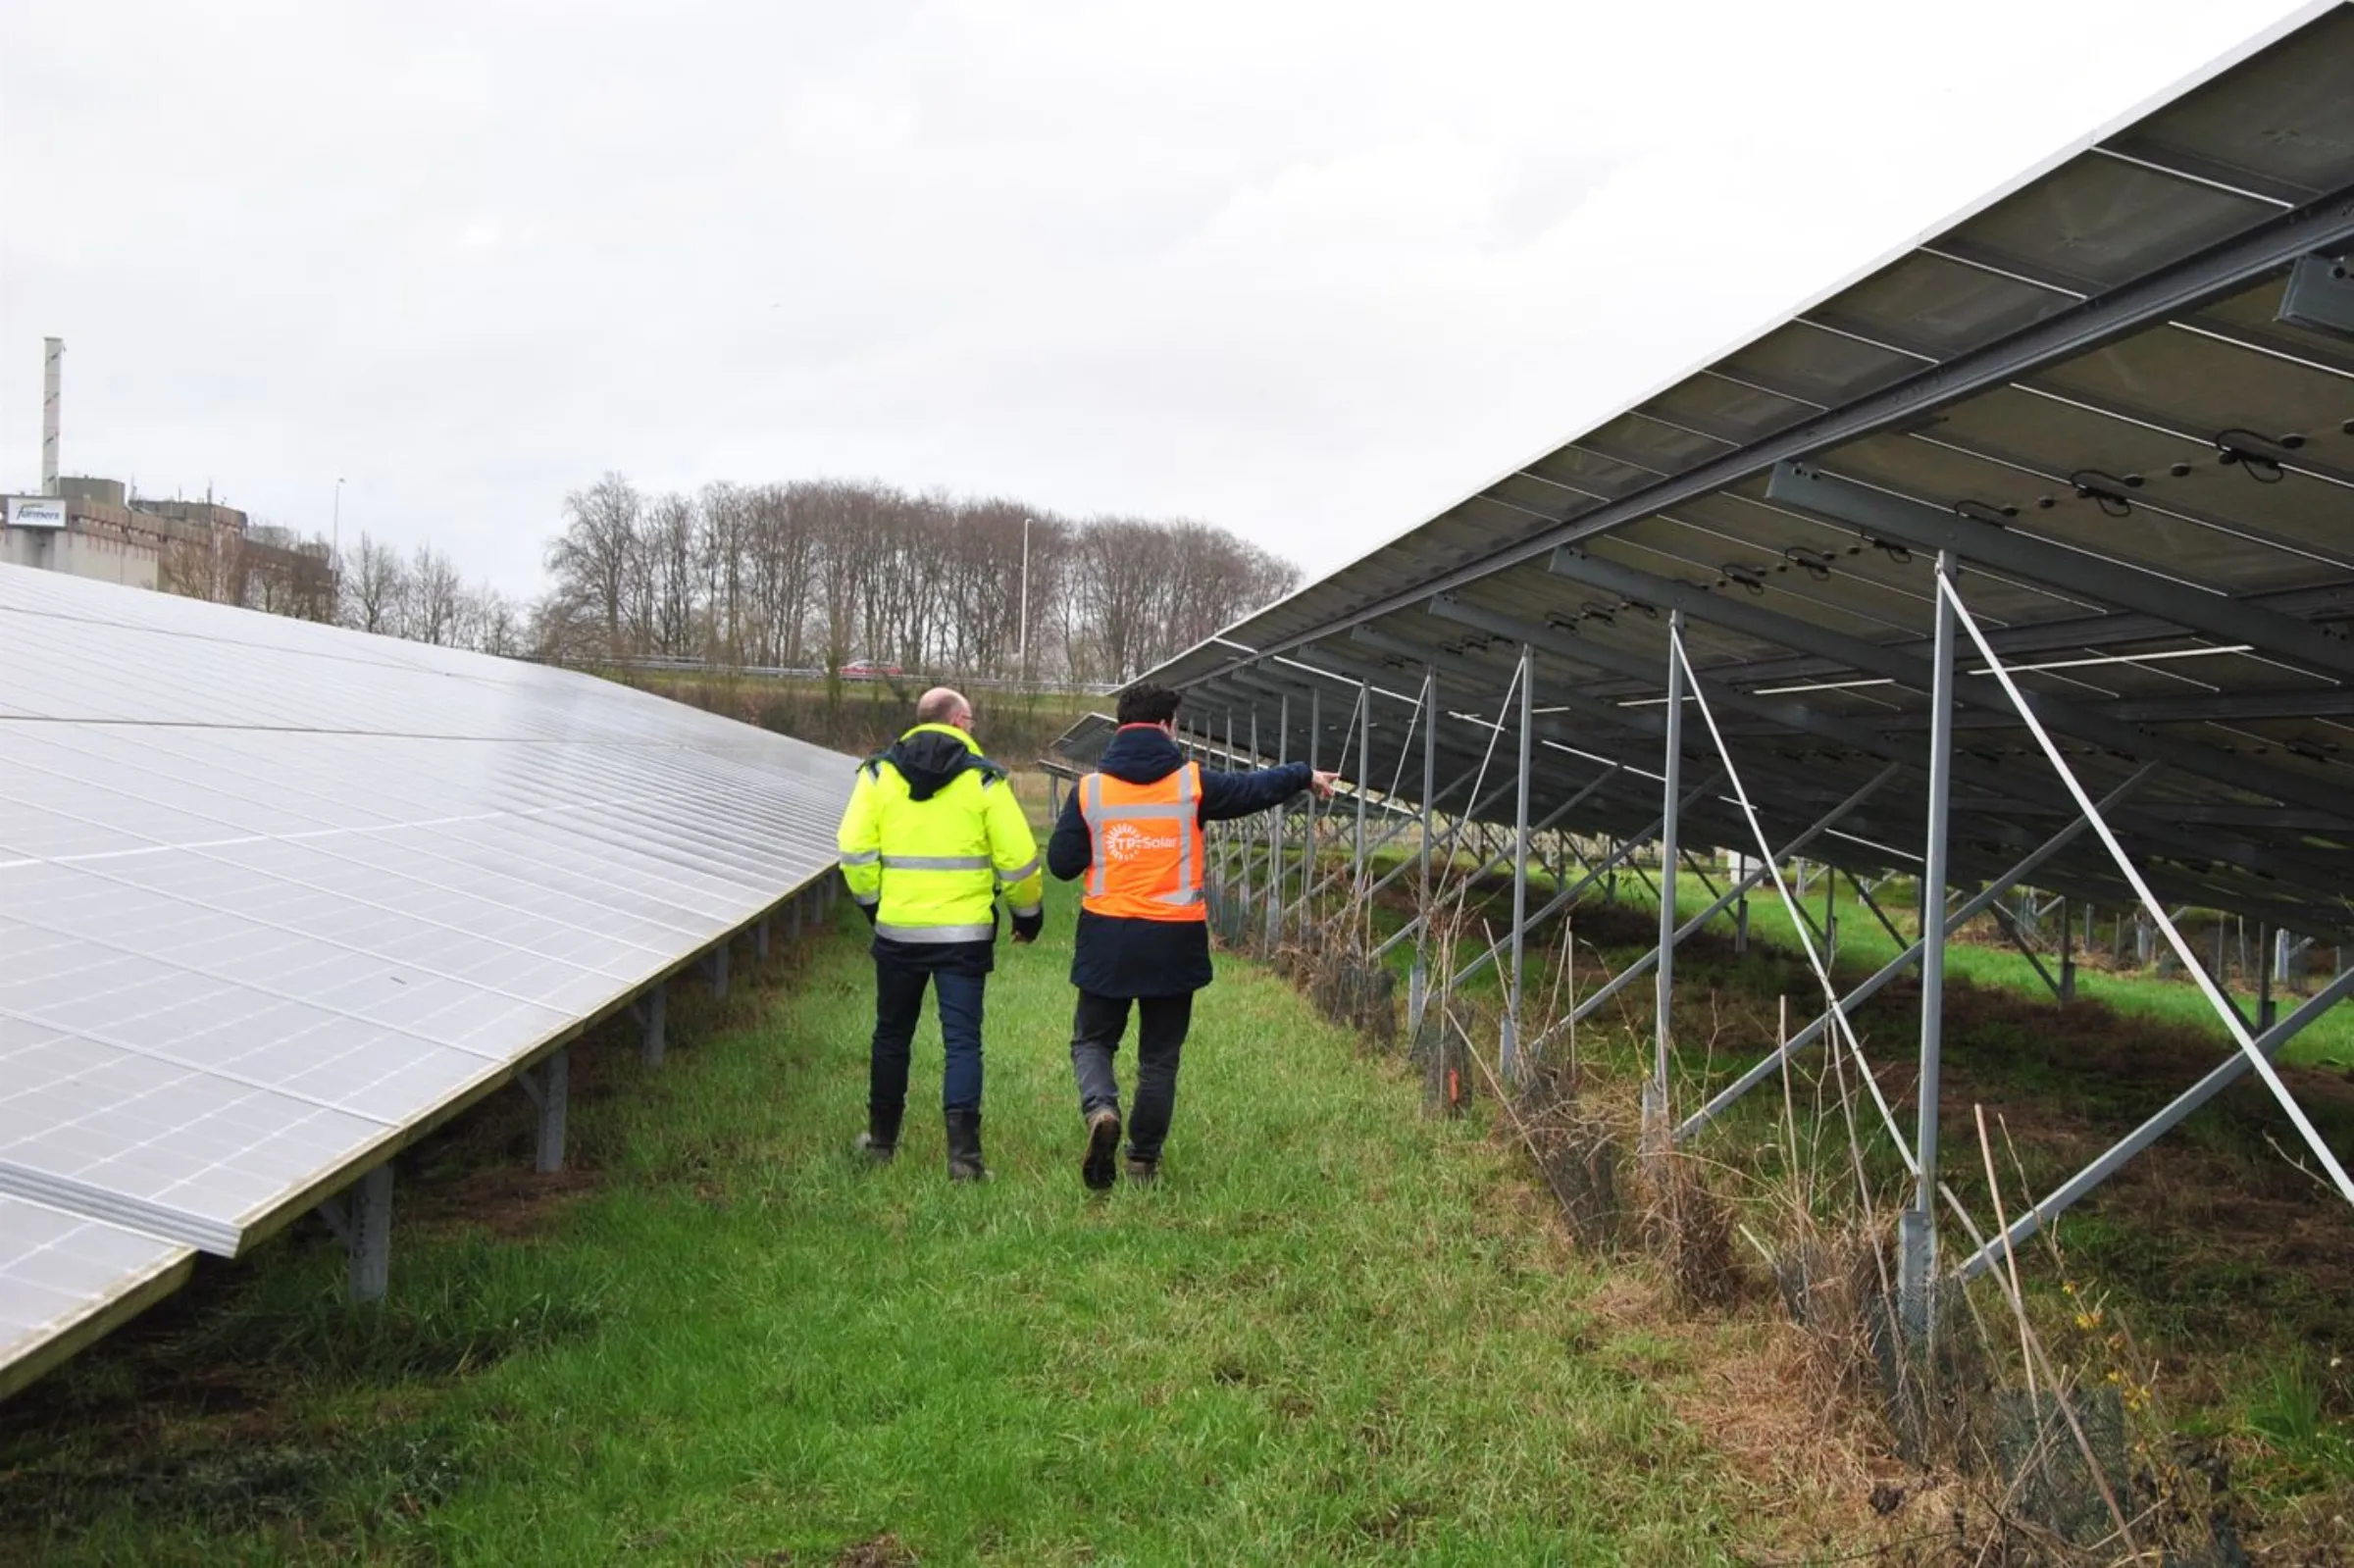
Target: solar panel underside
x,y
2089,385
274,896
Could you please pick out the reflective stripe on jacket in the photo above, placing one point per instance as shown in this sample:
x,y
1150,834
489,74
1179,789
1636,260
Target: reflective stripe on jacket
x,y
931,868
1145,846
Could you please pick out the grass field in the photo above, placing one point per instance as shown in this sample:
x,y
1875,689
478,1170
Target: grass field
x,y
1330,1336
1338,1332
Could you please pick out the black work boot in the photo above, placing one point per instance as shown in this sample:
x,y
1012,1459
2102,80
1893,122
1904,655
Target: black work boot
x,y
880,1139
1141,1173
1098,1170
965,1148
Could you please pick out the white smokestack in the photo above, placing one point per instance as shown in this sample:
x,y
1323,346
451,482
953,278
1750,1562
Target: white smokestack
x,y
53,363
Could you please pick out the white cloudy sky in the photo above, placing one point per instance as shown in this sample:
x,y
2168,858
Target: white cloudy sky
x,y
1308,270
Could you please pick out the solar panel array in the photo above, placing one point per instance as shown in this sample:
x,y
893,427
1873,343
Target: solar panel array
x,y
278,896
2121,391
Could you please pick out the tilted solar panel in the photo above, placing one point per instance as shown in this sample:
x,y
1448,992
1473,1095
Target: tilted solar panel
x,y
65,1279
2086,389
276,897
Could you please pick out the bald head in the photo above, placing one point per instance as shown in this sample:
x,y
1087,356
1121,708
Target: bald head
x,y
940,705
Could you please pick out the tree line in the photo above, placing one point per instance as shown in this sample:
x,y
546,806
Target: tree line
x,y
814,573
420,596
808,575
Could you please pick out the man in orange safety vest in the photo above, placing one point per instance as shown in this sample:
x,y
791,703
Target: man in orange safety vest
x,y
1132,830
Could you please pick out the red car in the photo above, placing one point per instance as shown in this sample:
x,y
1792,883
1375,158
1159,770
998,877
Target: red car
x,y
869,670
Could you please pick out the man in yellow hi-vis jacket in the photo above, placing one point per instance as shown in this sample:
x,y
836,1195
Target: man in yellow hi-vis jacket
x,y
932,834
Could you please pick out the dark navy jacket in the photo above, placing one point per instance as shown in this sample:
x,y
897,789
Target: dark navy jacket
x,y
1117,957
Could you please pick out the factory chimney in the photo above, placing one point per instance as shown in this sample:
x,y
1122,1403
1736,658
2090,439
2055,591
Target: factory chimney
x,y
53,360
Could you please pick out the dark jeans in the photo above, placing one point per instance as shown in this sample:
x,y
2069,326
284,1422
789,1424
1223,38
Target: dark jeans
x,y
1096,1031
899,1005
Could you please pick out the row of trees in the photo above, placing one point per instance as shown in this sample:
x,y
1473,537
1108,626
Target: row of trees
x,y
422,597
817,573
806,574
374,587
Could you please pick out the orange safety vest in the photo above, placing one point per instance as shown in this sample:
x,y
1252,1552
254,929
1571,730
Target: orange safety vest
x,y
1145,846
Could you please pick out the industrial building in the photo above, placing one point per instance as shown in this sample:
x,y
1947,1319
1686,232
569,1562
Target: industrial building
x,y
100,528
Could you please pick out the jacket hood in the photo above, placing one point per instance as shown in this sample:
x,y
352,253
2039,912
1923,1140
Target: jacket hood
x,y
930,755
1141,754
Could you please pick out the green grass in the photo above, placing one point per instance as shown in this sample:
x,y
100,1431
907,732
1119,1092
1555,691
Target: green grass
x,y
1325,1337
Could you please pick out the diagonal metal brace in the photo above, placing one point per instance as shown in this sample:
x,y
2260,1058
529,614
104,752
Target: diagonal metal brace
x,y
1725,1097
2223,1076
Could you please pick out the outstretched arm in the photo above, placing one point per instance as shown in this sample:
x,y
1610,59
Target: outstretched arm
x,y
1226,796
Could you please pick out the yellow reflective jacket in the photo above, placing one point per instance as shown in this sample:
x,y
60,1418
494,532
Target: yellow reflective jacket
x,y
932,833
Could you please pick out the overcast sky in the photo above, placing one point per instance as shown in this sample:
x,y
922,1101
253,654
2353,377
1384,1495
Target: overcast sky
x,y
1309,271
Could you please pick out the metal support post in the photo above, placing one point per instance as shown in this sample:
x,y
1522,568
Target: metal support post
x,y
760,939
2223,1076
654,1012
1417,982
1309,845
1655,1091
2068,953
1829,929
1917,1225
1275,824
2264,976
1242,836
718,963
793,918
1225,830
549,1088
1509,1053
1741,928
1364,777
362,1220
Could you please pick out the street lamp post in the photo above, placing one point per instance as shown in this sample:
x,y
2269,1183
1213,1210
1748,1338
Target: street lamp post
x,y
1022,654
335,550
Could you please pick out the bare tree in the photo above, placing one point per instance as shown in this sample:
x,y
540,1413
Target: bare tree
x,y
592,558
375,586
497,629
673,546
434,599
